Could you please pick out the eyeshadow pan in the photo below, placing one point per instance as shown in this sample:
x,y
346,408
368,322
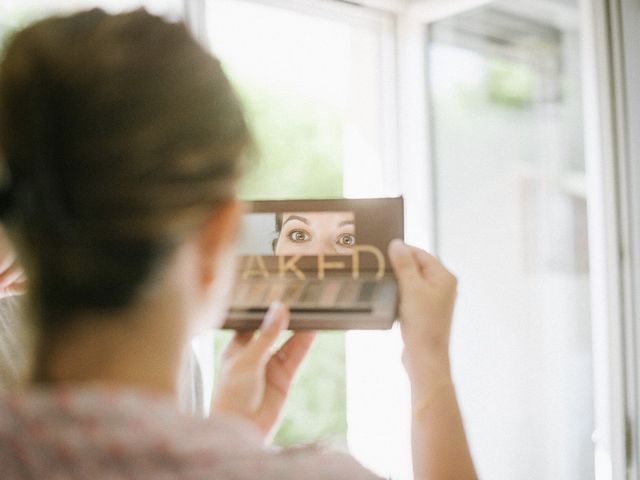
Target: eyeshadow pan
x,y
276,292
348,293
311,293
366,292
291,293
330,293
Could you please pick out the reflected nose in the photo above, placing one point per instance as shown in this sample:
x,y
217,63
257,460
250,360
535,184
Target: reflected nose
x,y
329,247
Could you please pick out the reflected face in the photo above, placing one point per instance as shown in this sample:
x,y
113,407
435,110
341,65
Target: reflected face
x,y
312,233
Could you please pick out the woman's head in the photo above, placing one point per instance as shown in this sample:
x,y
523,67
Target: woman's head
x,y
122,136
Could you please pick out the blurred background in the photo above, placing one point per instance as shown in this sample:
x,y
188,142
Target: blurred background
x,y
486,144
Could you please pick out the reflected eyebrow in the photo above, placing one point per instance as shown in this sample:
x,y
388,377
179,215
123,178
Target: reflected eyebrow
x,y
296,217
344,223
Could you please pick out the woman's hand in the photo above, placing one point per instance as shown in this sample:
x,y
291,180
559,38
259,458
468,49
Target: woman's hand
x,y
427,298
12,278
254,381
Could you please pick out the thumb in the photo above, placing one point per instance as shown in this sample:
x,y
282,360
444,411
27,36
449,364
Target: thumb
x,y
404,264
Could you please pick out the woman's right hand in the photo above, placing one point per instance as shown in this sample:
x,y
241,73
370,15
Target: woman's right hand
x,y
427,299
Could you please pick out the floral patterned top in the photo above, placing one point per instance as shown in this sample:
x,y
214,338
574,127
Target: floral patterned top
x,y
98,432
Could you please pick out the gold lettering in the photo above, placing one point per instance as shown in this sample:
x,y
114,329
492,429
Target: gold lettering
x,y
283,266
324,265
249,271
356,260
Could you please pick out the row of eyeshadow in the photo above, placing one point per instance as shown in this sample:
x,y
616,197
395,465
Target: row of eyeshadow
x,y
331,293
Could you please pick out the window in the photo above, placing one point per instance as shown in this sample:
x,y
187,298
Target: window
x,y
505,88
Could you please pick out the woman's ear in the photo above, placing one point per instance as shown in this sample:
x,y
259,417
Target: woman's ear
x,y
218,234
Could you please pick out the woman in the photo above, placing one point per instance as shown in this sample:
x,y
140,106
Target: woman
x,y
123,137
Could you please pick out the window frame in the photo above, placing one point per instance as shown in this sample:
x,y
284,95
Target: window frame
x,y
629,18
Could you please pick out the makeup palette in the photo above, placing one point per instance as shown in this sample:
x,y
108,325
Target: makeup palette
x,y
325,259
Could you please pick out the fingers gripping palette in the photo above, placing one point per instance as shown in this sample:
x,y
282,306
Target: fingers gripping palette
x,y
326,259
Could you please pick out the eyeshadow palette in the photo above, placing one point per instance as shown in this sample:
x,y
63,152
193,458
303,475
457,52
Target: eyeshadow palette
x,y
325,259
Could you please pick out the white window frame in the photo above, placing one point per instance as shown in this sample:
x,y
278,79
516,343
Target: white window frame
x,y
629,18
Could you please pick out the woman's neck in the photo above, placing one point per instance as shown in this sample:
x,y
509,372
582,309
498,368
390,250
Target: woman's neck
x,y
143,347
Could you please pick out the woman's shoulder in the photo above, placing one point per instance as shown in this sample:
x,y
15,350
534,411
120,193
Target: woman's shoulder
x,y
97,430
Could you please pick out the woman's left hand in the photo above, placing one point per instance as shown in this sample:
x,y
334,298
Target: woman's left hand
x,y
254,380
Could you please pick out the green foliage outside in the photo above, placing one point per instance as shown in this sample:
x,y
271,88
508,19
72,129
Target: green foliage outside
x,y
510,84
507,84
298,146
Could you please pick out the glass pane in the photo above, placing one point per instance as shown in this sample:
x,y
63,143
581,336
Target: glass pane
x,y
311,83
507,133
294,99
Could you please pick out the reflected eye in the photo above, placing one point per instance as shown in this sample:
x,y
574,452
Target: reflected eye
x,y
346,240
298,236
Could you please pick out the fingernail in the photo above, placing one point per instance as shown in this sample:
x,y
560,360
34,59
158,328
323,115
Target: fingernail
x,y
397,245
272,315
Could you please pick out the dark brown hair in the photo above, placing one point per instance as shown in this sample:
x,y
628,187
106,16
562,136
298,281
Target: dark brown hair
x,y
121,134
